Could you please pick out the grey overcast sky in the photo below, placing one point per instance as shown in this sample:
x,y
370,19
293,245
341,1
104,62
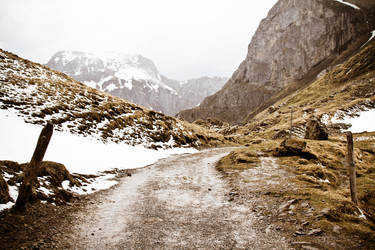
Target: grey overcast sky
x,y
185,38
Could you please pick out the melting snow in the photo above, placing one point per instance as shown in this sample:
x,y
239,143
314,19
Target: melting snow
x,y
128,85
79,154
100,183
349,4
7,205
363,122
44,190
361,214
372,37
13,192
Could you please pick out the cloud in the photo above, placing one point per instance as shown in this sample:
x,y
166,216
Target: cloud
x,y
185,38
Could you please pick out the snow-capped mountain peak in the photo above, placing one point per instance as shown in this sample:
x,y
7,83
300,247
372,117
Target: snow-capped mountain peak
x,y
135,78
108,71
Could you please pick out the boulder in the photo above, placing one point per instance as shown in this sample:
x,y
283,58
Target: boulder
x,y
294,147
282,134
316,130
57,173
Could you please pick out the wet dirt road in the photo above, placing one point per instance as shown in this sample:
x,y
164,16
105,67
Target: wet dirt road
x,y
178,203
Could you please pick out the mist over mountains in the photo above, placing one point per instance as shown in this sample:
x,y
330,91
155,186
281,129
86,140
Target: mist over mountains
x,y
135,78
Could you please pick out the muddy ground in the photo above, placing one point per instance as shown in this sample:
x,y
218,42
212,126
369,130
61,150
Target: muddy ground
x,y
181,202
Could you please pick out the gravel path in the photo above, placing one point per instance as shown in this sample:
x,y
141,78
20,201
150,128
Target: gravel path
x,y
180,202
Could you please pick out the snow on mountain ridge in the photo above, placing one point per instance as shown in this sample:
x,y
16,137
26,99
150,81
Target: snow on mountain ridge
x,y
134,78
118,68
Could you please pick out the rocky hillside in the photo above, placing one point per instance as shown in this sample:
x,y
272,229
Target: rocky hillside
x,y
41,95
134,78
297,42
312,175
343,93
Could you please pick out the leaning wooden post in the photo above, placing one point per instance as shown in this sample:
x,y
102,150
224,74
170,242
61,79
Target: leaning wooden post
x,y
32,169
351,165
291,121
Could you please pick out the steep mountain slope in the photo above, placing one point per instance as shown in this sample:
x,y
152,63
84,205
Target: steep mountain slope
x,y
41,95
344,92
293,44
134,78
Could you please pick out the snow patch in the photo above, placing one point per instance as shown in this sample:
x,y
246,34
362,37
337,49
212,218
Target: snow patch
x,y
372,37
349,4
13,192
96,184
361,214
45,191
128,85
7,205
364,121
86,155
324,181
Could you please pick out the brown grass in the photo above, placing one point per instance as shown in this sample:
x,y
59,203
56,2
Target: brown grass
x,y
322,182
61,99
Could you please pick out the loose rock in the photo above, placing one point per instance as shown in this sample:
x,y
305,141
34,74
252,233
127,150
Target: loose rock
x,y
316,130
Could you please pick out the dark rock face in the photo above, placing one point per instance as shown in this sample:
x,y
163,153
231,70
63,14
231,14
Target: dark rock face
x,y
293,44
4,192
136,79
315,130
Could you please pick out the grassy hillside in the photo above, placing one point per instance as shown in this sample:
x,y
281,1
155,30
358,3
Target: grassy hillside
x,y
40,95
317,180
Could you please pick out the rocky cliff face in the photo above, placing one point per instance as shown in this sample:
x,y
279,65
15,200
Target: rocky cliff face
x,y
293,44
134,78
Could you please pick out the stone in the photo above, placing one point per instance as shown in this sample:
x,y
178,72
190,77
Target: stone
x,y
316,130
325,211
293,147
309,248
337,229
4,191
305,223
299,233
282,134
287,205
315,232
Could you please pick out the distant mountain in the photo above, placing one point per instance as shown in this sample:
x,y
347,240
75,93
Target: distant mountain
x,y
134,78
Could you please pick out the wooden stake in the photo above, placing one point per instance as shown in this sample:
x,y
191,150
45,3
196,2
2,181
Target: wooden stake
x,y
351,165
32,169
291,119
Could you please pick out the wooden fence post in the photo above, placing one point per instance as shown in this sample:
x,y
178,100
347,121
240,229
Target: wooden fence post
x,y
351,165
32,169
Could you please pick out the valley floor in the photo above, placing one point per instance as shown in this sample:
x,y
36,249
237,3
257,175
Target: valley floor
x,y
179,202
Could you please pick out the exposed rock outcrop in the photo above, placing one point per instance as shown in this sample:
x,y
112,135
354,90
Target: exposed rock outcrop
x,y
4,192
316,130
293,44
294,147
